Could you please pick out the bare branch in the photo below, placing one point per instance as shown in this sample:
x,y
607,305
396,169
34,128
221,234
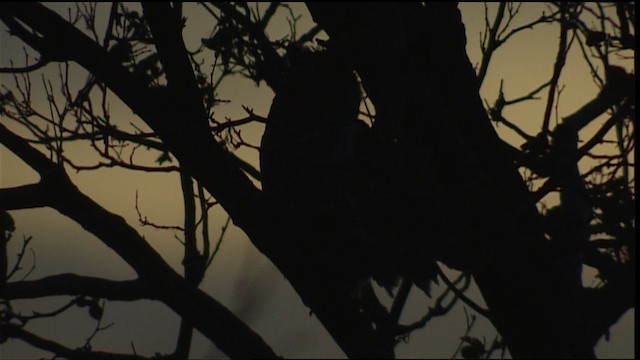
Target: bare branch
x,y
462,296
440,308
612,94
268,14
72,284
18,265
400,300
17,332
598,137
29,68
557,68
491,44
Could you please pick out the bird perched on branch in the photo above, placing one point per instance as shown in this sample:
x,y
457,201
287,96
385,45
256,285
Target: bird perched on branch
x,y
307,157
315,163
311,117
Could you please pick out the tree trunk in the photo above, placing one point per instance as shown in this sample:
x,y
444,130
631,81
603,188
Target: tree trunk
x,y
414,67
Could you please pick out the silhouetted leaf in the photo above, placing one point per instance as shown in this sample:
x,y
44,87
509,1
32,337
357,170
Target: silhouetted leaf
x,y
96,311
164,157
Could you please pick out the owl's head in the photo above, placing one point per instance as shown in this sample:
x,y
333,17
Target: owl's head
x,y
323,83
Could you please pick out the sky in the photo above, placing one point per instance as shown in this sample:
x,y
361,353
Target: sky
x,y
240,277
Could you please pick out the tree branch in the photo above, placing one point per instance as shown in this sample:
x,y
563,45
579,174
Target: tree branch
x,y
72,284
13,331
14,70
557,68
600,134
257,32
215,321
189,140
460,294
450,144
613,92
492,44
23,197
36,160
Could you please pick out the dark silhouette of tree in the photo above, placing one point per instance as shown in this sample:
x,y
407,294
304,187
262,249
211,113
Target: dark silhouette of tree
x,y
344,204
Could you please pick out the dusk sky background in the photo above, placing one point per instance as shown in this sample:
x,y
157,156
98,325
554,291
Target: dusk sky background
x,y
240,277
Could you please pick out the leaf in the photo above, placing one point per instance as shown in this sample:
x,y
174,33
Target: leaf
x,y
164,157
96,311
6,222
595,37
470,352
222,38
474,349
473,341
122,51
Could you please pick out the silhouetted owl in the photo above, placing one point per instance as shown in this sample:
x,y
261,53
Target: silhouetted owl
x,y
308,161
316,161
312,119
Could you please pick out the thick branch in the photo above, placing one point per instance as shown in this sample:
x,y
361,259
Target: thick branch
x,y
23,197
615,90
72,284
166,27
32,157
612,94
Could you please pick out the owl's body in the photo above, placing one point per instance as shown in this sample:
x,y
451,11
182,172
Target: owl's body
x,y
307,162
317,103
312,158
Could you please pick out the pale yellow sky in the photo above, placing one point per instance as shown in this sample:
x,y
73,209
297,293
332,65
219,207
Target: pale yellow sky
x,y
240,275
